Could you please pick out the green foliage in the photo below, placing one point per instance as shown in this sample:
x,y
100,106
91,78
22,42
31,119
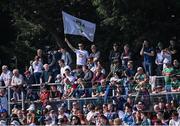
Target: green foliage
x,y
38,23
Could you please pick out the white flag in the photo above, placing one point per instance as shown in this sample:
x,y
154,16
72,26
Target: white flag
x,y
76,26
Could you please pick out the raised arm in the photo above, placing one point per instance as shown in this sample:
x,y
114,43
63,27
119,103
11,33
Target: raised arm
x,y
69,44
142,50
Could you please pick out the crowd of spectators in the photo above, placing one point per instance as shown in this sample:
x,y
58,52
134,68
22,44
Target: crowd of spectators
x,y
52,76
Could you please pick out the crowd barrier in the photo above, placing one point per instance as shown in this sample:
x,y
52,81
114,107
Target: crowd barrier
x,y
24,103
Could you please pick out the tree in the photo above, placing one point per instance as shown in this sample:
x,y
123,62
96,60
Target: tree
x,y
38,23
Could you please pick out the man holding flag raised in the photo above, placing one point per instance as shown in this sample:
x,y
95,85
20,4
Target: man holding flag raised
x,y
81,54
76,26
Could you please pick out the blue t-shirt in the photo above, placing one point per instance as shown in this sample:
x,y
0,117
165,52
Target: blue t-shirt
x,y
147,58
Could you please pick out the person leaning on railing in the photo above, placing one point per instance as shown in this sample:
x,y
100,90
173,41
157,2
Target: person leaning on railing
x,y
175,84
168,71
44,95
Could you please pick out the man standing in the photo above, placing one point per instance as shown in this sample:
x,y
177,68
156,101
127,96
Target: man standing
x,y
6,75
147,52
81,54
65,55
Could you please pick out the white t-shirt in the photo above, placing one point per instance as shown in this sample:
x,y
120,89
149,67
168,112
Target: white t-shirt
x,y
81,56
90,116
71,78
121,114
159,57
37,67
62,71
174,123
17,80
6,77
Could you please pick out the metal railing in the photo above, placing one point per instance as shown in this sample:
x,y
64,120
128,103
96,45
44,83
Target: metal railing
x,y
23,101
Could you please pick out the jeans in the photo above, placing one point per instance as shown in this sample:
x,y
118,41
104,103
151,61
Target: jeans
x,y
169,97
37,76
159,69
148,68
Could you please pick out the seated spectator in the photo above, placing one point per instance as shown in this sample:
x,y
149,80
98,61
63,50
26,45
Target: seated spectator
x,y
98,64
102,88
75,120
88,75
31,115
111,113
78,72
31,95
176,67
16,94
129,85
115,67
119,90
17,83
46,75
140,106
82,118
60,84
69,76
175,84
116,78
95,92
91,114
143,95
90,63
63,67
137,117
81,90
158,89
130,102
17,78
175,121
29,78
103,120
53,116
160,119
130,72
54,93
141,79
128,117
3,99
62,116
168,72
117,122
68,90
21,116
105,109
44,95
6,75
145,120
98,76
174,104
14,120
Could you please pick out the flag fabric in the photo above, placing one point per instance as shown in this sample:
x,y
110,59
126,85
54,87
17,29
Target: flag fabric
x,y
76,26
